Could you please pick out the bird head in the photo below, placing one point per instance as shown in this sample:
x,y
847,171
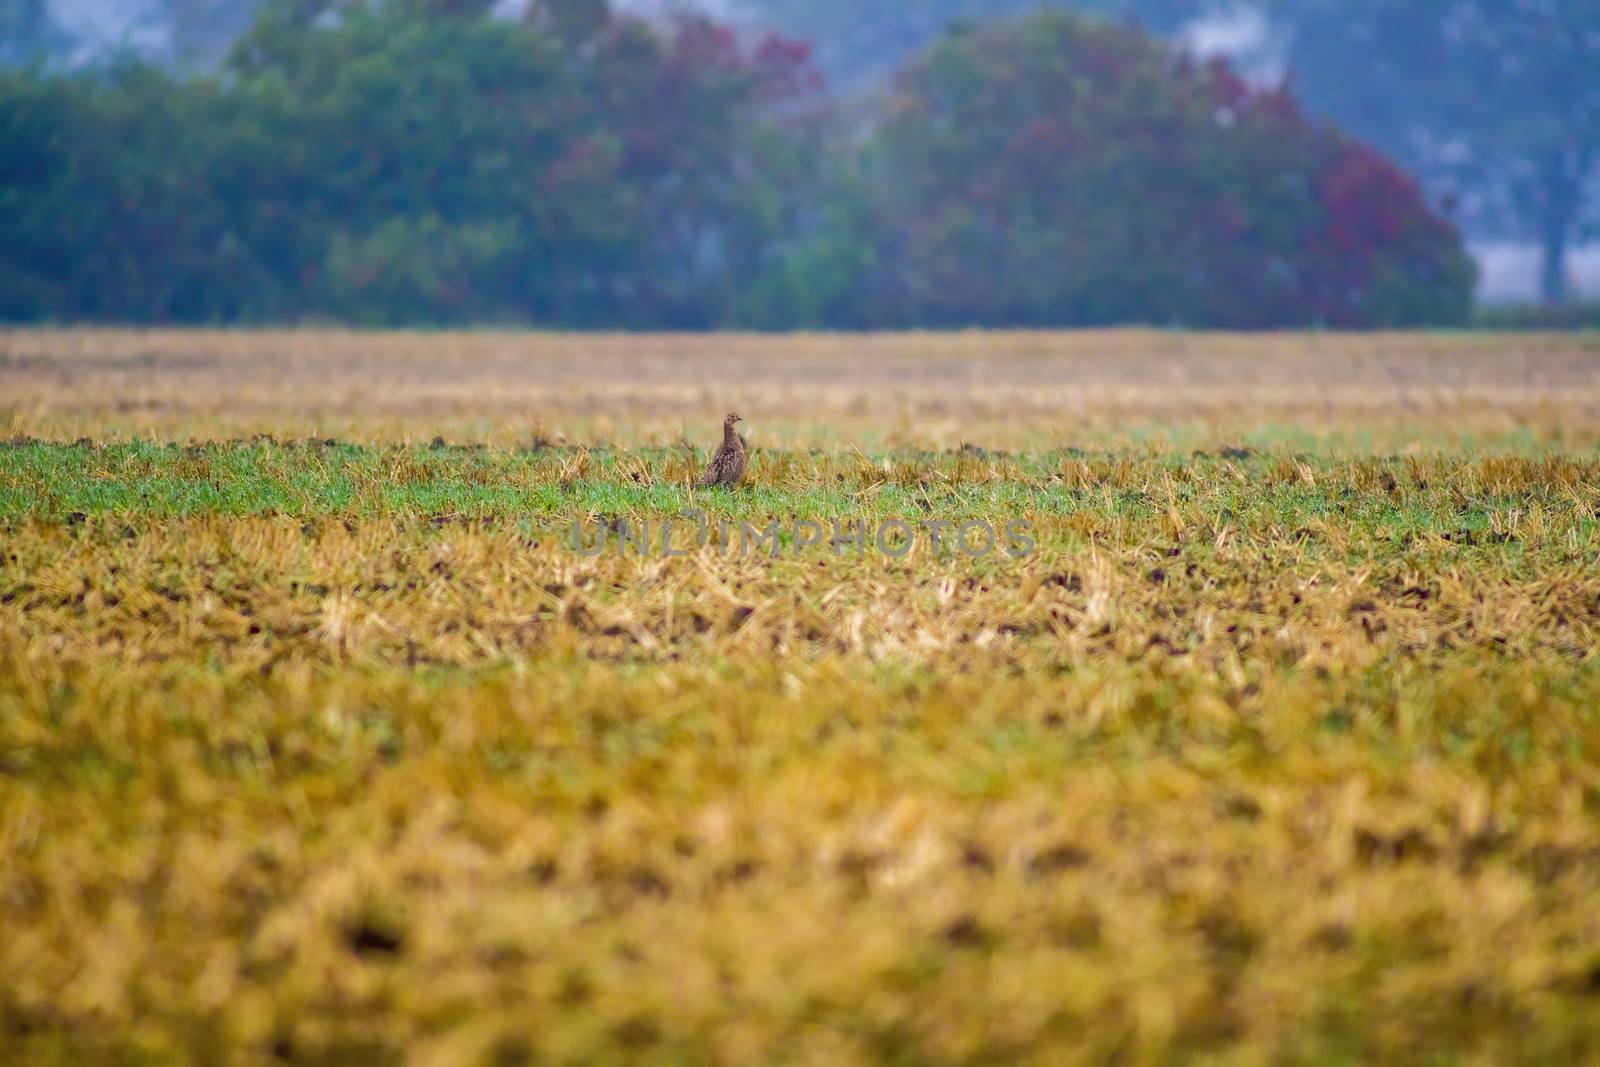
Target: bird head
x,y
731,419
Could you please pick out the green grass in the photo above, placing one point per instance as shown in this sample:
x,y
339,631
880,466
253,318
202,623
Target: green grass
x,y
323,753
1438,494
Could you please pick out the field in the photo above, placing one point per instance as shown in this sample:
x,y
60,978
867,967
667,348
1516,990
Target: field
x,y
1278,743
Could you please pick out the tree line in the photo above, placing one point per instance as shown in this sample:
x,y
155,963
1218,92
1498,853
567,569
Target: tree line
x,y
1494,104
436,162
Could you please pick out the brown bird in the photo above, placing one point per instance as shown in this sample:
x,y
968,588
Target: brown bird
x,y
727,466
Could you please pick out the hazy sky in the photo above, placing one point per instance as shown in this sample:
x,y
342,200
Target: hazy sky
x,y
101,24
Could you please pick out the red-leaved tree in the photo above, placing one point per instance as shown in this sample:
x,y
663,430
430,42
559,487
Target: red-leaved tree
x,y
1057,171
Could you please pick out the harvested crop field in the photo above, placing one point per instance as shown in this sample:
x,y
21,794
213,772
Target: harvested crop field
x,y
1270,733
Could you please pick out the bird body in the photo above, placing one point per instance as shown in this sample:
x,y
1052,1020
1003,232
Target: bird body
x,y
727,466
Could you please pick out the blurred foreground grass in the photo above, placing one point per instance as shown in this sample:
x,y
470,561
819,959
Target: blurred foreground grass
x,y
321,752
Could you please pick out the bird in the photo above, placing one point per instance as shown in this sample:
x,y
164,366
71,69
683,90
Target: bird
x,y
727,466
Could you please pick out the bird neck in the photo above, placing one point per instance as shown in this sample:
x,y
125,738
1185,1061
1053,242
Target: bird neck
x,y
729,437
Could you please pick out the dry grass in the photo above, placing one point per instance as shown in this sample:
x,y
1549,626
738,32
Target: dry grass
x,y
319,754
934,390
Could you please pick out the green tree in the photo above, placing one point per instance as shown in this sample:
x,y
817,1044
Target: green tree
x,y
576,167
411,161
108,213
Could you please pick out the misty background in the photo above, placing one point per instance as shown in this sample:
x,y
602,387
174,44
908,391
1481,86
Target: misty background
x,y
1493,105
